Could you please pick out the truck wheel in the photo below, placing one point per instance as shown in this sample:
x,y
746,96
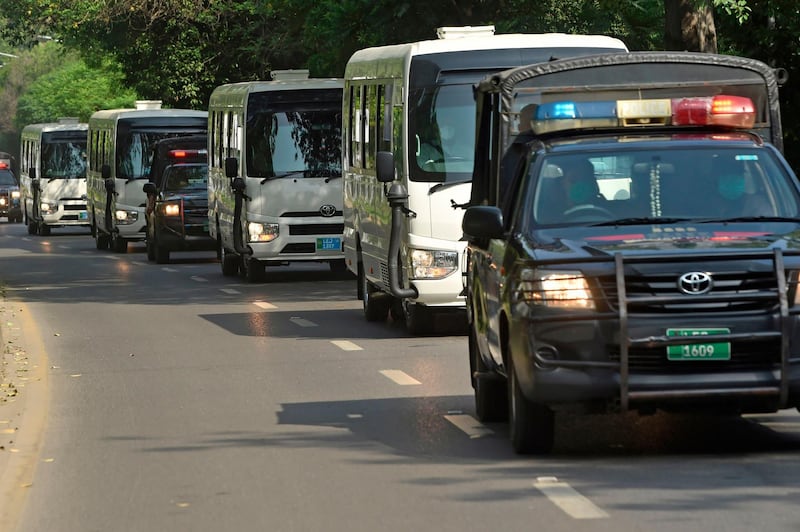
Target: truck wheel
x,y
376,304
491,394
531,425
151,252
229,263
161,253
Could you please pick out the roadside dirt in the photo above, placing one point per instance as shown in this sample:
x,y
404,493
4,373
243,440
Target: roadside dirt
x,y
23,406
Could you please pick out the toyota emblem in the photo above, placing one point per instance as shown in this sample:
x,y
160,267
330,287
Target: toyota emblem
x,y
695,283
327,210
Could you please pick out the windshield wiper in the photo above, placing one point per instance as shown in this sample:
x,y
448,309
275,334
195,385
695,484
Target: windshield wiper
x,y
447,184
749,219
642,220
285,174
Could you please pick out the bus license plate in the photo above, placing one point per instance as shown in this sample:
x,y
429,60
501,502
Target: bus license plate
x,y
699,351
329,244
83,215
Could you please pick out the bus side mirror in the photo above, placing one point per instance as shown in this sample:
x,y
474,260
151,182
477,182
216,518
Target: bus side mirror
x,y
238,184
231,167
32,172
384,164
105,171
149,189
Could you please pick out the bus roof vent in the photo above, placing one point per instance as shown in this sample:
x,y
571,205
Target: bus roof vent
x,y
68,120
289,75
148,104
457,32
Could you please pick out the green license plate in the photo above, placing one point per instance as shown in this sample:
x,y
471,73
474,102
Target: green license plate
x,y
702,350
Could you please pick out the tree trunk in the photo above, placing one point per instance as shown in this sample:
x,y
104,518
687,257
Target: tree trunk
x,y
689,27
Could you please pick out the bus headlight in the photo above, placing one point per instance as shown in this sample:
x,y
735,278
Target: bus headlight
x,y
126,217
47,207
15,194
262,232
432,264
562,289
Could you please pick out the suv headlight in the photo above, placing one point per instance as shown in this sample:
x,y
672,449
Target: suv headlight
x,y
432,264
262,232
561,289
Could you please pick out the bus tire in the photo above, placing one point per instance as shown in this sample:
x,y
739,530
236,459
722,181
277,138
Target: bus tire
x,y
229,263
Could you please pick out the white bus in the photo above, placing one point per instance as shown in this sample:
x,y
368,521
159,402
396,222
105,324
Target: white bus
x,y
409,121
274,187
120,152
52,175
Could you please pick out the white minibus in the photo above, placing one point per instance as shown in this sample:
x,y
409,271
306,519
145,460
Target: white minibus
x,y
120,152
52,175
274,187
409,122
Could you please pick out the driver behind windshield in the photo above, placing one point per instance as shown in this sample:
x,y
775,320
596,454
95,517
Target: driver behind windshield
x,y
574,190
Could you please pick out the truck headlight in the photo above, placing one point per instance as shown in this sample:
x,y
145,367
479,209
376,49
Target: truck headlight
x,y
171,209
262,232
124,217
432,264
562,289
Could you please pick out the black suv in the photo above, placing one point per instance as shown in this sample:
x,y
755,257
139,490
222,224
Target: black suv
x,y
9,195
632,250
177,198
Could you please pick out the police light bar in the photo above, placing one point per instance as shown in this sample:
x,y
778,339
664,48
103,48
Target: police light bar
x,y
181,154
734,112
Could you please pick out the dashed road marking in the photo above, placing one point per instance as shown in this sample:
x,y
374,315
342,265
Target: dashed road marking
x,y
171,270
302,322
110,257
469,425
264,305
400,377
345,345
570,501
229,291
198,279
139,263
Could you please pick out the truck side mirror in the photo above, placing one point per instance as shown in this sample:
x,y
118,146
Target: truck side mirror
x,y
483,222
231,167
149,189
105,171
384,164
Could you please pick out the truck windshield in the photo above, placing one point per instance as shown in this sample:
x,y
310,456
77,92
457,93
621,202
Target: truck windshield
x,y
184,177
652,186
442,133
64,159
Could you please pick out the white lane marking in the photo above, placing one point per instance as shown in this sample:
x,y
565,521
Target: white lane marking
x,y
139,263
229,291
345,345
64,247
469,425
400,377
171,270
110,257
570,501
302,322
198,279
264,305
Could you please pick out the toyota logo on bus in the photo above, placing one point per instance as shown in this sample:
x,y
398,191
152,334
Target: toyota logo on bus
x,y
695,283
327,210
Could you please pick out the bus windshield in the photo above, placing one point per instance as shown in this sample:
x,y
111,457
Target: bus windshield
x,y
63,158
301,139
442,133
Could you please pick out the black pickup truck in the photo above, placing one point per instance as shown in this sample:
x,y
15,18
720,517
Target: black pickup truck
x,y
634,242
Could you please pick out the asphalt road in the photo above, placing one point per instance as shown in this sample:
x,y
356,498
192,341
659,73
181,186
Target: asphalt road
x,y
143,397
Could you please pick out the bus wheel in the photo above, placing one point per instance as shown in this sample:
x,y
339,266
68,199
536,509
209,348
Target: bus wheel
x,y
418,318
44,229
376,304
31,228
100,240
253,270
118,244
229,263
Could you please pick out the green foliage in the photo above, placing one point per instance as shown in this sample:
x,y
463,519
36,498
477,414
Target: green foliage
x,y
73,89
